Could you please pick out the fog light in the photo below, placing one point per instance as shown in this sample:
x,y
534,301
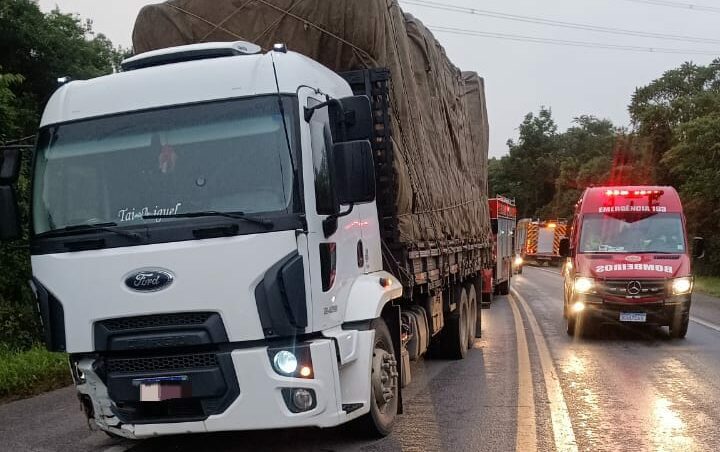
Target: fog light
x,y
305,371
578,307
303,399
285,362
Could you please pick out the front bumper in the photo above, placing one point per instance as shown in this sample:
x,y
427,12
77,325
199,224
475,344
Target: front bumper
x,y
259,403
661,312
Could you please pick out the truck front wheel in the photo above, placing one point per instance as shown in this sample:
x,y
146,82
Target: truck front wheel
x,y
384,384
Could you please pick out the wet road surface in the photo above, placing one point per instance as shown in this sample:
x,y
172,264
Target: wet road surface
x,y
615,389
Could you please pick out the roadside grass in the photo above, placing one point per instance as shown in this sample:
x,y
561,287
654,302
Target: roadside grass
x,y
709,285
27,373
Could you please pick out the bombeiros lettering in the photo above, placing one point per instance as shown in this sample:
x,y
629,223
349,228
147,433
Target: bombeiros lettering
x,y
630,267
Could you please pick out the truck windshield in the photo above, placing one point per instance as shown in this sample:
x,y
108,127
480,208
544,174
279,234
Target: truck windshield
x,y
228,156
661,233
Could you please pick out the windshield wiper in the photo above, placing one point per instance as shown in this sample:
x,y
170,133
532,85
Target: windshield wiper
x,y
106,227
211,213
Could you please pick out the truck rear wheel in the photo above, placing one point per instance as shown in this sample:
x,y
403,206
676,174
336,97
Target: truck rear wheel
x,y
474,319
384,384
452,342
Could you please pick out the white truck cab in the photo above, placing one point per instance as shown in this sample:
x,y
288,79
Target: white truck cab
x,y
205,244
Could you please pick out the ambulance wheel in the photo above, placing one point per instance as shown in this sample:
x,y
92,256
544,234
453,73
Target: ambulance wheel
x,y
679,327
570,323
384,384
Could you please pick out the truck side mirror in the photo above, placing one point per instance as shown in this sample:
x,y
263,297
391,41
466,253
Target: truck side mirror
x,y
354,172
9,215
565,247
10,166
9,212
351,119
698,251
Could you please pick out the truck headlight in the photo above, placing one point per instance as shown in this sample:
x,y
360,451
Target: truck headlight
x,y
682,286
293,361
285,362
584,285
518,261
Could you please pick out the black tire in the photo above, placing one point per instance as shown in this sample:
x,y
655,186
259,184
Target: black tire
x,y
487,299
679,326
474,316
570,325
452,341
504,287
519,271
380,420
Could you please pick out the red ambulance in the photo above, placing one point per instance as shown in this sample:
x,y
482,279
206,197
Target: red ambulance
x,y
628,260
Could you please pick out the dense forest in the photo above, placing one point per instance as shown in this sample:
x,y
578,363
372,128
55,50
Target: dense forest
x,y
675,140
36,49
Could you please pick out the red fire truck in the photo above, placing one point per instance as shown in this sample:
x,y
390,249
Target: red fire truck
x,y
629,259
502,217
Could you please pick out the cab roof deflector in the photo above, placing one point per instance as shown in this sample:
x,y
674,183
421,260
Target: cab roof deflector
x,y
193,52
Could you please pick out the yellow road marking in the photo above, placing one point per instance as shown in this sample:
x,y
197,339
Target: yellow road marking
x,y
526,436
562,426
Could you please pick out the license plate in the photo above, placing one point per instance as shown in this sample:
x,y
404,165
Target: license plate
x,y
639,317
163,388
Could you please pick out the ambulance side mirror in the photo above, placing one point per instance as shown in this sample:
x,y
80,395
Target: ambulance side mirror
x,y
565,247
698,251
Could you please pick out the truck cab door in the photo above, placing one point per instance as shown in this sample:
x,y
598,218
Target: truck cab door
x,y
334,261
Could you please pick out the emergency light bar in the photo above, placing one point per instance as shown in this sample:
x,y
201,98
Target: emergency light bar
x,y
634,193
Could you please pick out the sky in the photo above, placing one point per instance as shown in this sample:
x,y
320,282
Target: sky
x,y
520,76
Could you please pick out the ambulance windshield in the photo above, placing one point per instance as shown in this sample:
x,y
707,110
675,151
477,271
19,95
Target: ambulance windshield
x,y
660,233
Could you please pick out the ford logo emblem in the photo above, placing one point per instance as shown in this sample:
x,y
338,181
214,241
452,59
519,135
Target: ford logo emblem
x,y
150,280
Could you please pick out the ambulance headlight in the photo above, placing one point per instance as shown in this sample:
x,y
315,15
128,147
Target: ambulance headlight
x,y
584,285
682,286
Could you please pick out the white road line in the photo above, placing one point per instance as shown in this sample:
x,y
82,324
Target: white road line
x,y
706,324
526,435
556,273
119,448
562,426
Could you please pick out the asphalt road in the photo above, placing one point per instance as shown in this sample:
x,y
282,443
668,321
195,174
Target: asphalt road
x,y
525,386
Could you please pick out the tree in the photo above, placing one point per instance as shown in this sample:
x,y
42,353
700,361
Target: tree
x,y
528,172
679,114
36,49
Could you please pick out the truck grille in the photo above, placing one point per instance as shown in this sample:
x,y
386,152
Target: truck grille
x,y
632,288
155,321
162,363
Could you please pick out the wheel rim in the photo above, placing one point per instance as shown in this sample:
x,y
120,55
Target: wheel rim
x,y
384,378
472,322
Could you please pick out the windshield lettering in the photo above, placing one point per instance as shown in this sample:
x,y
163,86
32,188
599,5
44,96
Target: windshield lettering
x,y
128,214
614,209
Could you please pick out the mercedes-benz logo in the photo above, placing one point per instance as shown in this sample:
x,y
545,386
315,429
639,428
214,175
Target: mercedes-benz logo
x,y
634,288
